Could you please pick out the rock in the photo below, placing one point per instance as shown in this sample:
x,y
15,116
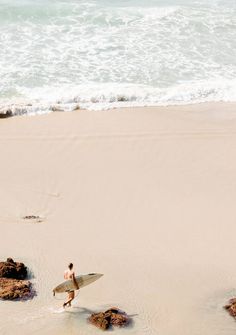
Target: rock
x,y
119,320
12,281
29,217
118,317
122,98
231,307
33,218
11,269
5,113
109,318
12,289
100,320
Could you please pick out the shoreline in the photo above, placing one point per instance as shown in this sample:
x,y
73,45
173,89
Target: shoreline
x,y
8,112
145,196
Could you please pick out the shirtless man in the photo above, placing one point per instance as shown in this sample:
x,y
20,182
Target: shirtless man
x,y
69,274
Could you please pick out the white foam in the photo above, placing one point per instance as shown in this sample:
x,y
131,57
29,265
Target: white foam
x,y
58,55
110,95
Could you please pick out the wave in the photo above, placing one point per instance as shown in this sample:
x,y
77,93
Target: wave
x,y
97,96
100,54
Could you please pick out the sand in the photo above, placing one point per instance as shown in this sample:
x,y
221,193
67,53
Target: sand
x,y
145,196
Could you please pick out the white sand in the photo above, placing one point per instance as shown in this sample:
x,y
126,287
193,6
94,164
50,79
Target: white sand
x,y
146,196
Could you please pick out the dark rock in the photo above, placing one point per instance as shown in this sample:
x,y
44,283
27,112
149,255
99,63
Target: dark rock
x,y
29,217
109,318
113,310
35,218
11,269
122,98
231,307
12,281
12,289
6,113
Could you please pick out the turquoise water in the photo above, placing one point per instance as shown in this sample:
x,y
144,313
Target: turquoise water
x,y
101,54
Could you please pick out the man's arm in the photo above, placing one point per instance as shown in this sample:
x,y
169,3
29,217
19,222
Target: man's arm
x,y
75,282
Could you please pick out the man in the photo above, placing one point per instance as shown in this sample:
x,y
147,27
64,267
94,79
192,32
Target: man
x,y
69,274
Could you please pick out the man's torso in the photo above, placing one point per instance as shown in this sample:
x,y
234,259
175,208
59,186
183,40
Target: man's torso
x,y
68,274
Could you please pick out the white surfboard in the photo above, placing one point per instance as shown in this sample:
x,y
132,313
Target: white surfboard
x,y
82,281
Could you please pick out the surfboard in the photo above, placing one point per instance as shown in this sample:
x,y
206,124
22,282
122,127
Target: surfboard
x,y
82,281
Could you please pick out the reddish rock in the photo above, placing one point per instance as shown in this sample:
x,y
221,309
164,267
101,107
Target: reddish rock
x,y
12,281
109,318
231,307
100,320
119,320
12,289
11,269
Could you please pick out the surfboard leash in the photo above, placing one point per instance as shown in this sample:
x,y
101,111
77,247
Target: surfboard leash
x,y
54,295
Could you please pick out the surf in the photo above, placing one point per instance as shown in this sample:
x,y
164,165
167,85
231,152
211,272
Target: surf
x,y
98,54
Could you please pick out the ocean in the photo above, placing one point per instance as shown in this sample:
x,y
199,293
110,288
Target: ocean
x,y
101,54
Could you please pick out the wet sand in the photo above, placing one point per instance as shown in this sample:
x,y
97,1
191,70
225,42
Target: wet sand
x,y
145,196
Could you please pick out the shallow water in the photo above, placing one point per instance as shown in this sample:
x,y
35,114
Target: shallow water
x,y
102,54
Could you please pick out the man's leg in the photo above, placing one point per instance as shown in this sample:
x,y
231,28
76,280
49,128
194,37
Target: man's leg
x,y
71,296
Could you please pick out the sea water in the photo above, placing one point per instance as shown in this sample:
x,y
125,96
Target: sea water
x,y
99,54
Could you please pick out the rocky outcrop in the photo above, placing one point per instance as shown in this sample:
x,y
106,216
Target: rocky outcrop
x,y
12,289
231,307
12,281
108,319
11,269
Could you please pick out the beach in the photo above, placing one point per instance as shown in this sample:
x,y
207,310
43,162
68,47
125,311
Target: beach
x,y
145,196
117,146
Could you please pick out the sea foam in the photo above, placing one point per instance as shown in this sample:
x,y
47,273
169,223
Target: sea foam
x,y
103,54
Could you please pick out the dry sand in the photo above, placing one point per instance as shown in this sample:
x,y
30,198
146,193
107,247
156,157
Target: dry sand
x,y
145,196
